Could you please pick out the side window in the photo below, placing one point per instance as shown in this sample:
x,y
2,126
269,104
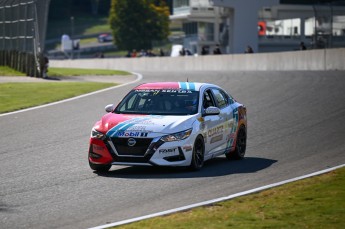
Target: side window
x,y
222,101
128,104
207,99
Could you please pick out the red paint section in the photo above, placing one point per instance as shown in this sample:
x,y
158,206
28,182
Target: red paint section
x,y
98,147
159,85
110,120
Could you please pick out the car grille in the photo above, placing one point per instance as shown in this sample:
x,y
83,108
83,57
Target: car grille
x,y
139,149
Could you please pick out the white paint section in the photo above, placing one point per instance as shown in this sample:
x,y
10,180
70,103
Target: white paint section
x,y
139,77
217,200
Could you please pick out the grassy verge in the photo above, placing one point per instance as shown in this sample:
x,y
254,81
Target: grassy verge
x,y
60,72
16,96
316,202
7,71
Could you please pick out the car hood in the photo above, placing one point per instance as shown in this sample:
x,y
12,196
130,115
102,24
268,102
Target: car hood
x,y
123,125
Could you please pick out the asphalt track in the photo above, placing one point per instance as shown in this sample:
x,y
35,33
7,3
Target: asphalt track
x,y
296,126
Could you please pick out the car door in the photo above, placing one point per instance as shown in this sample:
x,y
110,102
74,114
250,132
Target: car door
x,y
226,117
213,126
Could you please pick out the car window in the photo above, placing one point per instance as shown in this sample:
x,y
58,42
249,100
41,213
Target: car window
x,y
221,99
159,102
207,99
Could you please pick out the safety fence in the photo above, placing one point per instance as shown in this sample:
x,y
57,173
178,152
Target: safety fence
x,y
22,35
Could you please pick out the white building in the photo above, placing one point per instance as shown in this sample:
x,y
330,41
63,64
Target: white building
x,y
265,25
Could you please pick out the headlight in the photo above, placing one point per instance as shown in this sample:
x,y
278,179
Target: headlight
x,y
177,136
97,134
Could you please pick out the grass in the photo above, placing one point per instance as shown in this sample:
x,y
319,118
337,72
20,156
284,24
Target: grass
x,y
316,202
60,72
7,71
16,96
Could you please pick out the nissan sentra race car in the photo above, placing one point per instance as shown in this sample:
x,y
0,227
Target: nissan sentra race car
x,y
169,124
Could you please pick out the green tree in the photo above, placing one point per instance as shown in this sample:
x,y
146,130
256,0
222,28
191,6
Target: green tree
x,y
136,23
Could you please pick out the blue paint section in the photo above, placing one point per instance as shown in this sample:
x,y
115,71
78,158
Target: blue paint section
x,y
192,86
125,125
183,85
187,86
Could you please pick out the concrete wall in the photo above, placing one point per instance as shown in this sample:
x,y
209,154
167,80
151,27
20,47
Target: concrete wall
x,y
325,59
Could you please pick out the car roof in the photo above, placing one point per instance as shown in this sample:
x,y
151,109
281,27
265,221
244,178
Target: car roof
x,y
193,86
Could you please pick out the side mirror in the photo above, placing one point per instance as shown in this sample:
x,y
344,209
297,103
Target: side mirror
x,y
212,111
109,108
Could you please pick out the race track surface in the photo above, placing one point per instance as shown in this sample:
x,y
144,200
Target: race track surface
x,y
296,126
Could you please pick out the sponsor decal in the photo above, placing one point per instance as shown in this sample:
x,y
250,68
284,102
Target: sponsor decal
x,y
131,134
216,138
137,128
187,148
158,91
215,131
167,151
232,135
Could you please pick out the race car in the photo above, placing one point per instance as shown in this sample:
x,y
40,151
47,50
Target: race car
x,y
169,124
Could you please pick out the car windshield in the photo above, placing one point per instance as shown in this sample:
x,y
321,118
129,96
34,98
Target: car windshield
x,y
159,102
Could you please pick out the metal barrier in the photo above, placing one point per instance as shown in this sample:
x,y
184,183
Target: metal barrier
x,y
22,35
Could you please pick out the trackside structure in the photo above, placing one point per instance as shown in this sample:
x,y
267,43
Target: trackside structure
x,y
22,34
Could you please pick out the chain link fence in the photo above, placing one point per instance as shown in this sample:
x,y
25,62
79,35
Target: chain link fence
x,y
22,34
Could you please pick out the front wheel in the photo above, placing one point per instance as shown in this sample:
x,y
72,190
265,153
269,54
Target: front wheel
x,y
99,168
198,154
241,144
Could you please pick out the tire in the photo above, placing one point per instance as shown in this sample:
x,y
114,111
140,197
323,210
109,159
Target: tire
x,y
241,145
198,154
99,168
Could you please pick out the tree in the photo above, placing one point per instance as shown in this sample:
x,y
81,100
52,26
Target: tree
x,y
136,23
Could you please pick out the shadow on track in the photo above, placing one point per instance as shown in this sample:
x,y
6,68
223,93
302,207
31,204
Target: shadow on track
x,y
219,166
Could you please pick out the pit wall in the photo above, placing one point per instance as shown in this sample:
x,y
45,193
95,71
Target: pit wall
x,y
321,59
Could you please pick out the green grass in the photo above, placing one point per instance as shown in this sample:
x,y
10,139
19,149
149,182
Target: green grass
x,y
60,72
16,96
317,202
7,71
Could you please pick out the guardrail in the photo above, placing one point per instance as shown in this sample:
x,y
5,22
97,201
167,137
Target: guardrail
x,y
321,59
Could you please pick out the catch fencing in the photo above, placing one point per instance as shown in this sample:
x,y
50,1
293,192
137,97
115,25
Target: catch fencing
x,y
22,34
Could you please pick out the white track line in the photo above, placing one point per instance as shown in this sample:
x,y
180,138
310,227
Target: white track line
x,y
139,77
216,200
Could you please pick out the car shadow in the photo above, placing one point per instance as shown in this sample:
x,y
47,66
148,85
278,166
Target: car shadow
x,y
216,167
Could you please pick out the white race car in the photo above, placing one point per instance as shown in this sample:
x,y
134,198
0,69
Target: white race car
x,y
169,124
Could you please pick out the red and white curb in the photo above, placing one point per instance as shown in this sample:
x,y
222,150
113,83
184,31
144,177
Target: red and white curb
x,y
216,200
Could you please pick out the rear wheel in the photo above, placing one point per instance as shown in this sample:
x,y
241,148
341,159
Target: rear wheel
x,y
241,144
99,168
198,154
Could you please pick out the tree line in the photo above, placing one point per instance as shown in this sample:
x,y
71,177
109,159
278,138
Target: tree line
x,y
135,24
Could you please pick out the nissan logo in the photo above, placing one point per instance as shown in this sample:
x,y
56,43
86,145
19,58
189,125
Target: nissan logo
x,y
131,142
